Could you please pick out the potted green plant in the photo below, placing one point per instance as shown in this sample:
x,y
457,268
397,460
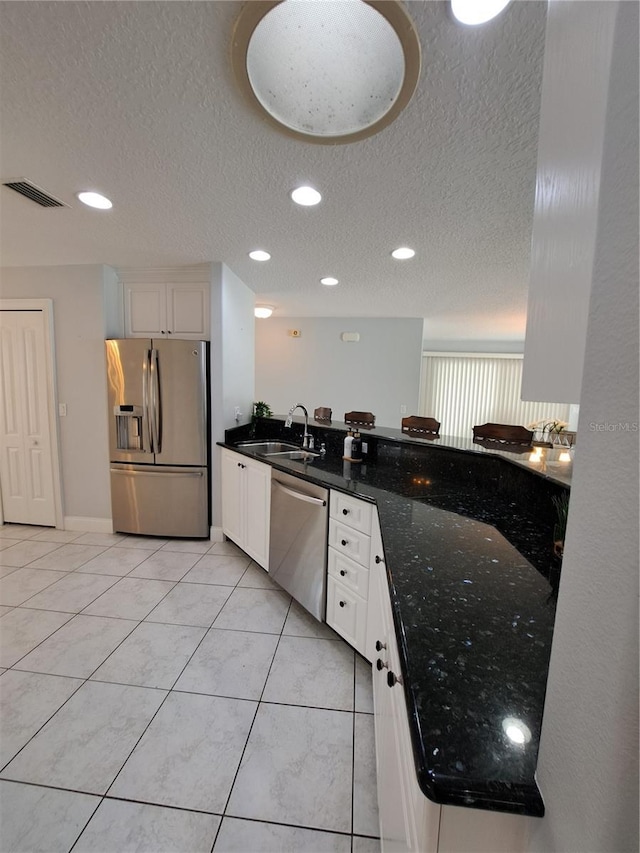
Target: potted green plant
x,y
261,410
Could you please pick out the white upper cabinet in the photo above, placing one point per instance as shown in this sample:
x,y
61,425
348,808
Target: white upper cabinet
x,y
154,307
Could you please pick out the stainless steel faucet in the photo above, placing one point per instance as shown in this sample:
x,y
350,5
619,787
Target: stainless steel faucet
x,y
289,421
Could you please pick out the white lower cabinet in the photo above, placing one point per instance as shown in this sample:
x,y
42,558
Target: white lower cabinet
x,y
406,823
246,503
409,821
353,534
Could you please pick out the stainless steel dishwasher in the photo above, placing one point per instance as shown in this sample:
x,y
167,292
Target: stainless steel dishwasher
x,y
298,543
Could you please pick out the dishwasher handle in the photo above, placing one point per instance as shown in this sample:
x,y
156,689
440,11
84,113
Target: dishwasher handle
x,y
299,495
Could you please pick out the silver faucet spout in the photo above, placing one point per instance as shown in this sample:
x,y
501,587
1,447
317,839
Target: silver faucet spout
x,y
289,421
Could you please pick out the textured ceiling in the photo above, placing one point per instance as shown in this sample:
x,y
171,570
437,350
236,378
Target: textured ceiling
x,y
137,100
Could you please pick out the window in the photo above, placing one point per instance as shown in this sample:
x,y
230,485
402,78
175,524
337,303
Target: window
x,y
464,389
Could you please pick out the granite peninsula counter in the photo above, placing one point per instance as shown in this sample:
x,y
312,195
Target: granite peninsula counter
x,y
467,535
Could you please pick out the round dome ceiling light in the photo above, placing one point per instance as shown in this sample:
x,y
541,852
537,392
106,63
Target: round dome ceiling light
x,y
259,255
403,253
329,281
327,72
96,200
263,311
306,196
474,12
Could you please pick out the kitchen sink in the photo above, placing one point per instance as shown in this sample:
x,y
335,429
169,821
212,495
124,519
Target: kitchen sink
x,y
278,450
266,448
298,454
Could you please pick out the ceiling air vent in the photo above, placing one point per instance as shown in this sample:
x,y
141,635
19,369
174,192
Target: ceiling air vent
x,y
29,190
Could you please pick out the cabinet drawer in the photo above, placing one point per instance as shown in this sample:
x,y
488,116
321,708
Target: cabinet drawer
x,y
351,511
350,542
349,573
346,613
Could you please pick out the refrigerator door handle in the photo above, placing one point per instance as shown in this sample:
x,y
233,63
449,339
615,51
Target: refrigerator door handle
x,y
124,472
155,400
147,439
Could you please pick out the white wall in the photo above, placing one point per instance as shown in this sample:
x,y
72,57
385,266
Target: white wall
x,y
79,329
573,104
238,347
232,365
588,766
378,374
113,303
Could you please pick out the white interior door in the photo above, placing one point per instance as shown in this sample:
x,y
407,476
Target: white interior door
x,y
26,459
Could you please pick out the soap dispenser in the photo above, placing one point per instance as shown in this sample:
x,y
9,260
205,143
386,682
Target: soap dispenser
x,y
356,448
347,445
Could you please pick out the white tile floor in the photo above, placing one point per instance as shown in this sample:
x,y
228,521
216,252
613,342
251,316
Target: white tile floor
x,y
167,696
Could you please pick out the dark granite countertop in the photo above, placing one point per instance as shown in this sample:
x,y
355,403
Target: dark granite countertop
x,y
466,549
548,465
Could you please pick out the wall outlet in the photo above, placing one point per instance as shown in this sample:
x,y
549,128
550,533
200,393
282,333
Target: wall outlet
x,y
62,410
403,409
237,414
295,333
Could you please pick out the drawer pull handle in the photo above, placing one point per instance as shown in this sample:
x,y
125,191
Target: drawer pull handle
x,y
379,559
342,604
380,665
380,646
343,542
342,572
345,512
392,679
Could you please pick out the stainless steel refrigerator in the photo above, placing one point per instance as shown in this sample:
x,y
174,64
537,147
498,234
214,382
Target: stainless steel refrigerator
x,y
158,436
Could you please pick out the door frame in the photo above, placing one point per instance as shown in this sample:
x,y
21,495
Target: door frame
x,y
45,307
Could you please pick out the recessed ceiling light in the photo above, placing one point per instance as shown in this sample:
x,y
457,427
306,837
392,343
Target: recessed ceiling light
x,y
95,200
259,255
403,253
473,12
263,311
306,196
329,281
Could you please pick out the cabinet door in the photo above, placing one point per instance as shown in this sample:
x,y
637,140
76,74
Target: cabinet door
x,y
408,821
350,542
145,310
348,573
257,477
188,310
232,482
346,613
377,576
351,511
394,829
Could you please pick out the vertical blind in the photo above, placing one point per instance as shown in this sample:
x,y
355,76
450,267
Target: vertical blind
x,y
464,389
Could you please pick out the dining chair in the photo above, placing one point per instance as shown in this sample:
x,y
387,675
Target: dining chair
x,y
421,427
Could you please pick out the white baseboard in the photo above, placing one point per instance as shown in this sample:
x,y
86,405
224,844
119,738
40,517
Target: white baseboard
x,y
216,534
86,524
